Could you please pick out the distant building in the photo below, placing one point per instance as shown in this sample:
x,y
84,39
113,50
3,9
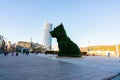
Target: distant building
x,y
1,40
101,50
84,49
47,40
24,44
2,44
35,47
38,48
55,48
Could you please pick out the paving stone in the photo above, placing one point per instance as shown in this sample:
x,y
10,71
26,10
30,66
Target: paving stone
x,y
49,67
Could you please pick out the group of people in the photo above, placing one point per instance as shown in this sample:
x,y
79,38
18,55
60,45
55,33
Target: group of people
x,y
11,50
26,52
12,53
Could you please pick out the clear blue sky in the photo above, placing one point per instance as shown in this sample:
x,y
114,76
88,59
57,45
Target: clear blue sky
x,y
87,22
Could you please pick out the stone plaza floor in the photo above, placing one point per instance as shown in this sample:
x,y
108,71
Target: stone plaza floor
x,y
50,67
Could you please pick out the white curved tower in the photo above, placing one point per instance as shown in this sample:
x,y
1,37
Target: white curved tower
x,y
47,40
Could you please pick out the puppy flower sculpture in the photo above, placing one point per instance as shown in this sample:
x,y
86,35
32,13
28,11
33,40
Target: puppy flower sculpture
x,y
66,46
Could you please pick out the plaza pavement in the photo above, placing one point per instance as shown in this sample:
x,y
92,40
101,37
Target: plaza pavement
x,y
50,67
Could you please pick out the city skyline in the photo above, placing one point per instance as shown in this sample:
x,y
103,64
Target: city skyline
x,y
87,22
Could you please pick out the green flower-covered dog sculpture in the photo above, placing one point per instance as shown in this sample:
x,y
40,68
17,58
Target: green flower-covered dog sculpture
x,y
66,46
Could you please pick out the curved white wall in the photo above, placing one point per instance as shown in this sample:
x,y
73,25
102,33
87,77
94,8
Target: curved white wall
x,y
47,40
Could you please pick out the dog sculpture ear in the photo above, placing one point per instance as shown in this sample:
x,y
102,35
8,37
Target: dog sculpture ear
x,y
61,24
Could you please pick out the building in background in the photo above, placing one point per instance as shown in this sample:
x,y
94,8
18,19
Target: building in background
x,y
24,44
47,39
102,50
23,47
1,40
55,48
2,44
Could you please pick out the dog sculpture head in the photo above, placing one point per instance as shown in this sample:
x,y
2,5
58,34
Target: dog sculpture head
x,y
58,32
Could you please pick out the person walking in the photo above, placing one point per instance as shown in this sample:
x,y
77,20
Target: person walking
x,y
12,50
